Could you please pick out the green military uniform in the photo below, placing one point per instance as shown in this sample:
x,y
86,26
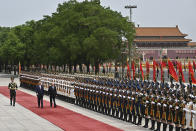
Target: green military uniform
x,y
13,87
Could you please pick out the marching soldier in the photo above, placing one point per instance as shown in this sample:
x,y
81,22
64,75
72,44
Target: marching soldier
x,y
13,87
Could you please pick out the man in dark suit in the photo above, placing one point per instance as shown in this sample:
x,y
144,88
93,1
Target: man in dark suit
x,y
40,94
52,92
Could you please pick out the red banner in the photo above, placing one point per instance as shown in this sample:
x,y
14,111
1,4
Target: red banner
x,y
141,70
172,70
133,68
147,68
154,70
163,64
191,73
180,72
128,71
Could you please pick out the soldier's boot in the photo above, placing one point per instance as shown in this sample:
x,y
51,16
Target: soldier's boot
x,y
177,128
164,126
158,126
105,111
121,115
110,112
117,113
113,112
146,123
171,127
125,117
140,120
134,119
130,117
182,129
153,124
99,109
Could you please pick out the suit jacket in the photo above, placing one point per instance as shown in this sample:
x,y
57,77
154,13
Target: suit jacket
x,y
52,91
40,91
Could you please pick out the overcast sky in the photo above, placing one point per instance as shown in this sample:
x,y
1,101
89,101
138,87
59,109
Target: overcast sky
x,y
149,13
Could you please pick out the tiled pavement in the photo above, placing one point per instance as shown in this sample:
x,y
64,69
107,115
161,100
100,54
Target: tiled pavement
x,y
19,118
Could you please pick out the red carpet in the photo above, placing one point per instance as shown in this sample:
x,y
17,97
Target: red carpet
x,y
61,117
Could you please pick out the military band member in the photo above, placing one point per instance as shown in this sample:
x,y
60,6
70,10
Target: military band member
x,y
13,87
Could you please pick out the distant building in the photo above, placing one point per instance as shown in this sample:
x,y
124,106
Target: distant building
x,y
157,42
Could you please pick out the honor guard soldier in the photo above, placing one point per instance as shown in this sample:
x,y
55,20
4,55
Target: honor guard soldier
x,y
147,109
13,87
165,111
182,113
128,105
134,107
158,113
171,113
139,106
177,114
152,111
111,100
188,108
194,113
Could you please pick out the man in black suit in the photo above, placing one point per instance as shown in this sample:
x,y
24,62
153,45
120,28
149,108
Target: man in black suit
x,y
52,92
40,94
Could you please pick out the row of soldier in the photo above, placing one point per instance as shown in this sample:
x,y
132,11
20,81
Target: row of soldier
x,y
170,105
63,84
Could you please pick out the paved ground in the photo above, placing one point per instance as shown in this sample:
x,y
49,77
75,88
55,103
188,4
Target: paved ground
x,y
19,118
26,120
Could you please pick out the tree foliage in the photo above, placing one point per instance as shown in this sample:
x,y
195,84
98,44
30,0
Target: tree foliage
x,y
77,33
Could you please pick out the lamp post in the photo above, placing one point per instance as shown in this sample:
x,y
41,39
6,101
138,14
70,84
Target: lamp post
x,y
130,7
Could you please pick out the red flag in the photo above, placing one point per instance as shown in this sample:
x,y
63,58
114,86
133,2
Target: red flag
x,y
19,68
172,71
191,73
163,64
141,70
147,68
133,68
194,65
180,72
128,71
154,70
